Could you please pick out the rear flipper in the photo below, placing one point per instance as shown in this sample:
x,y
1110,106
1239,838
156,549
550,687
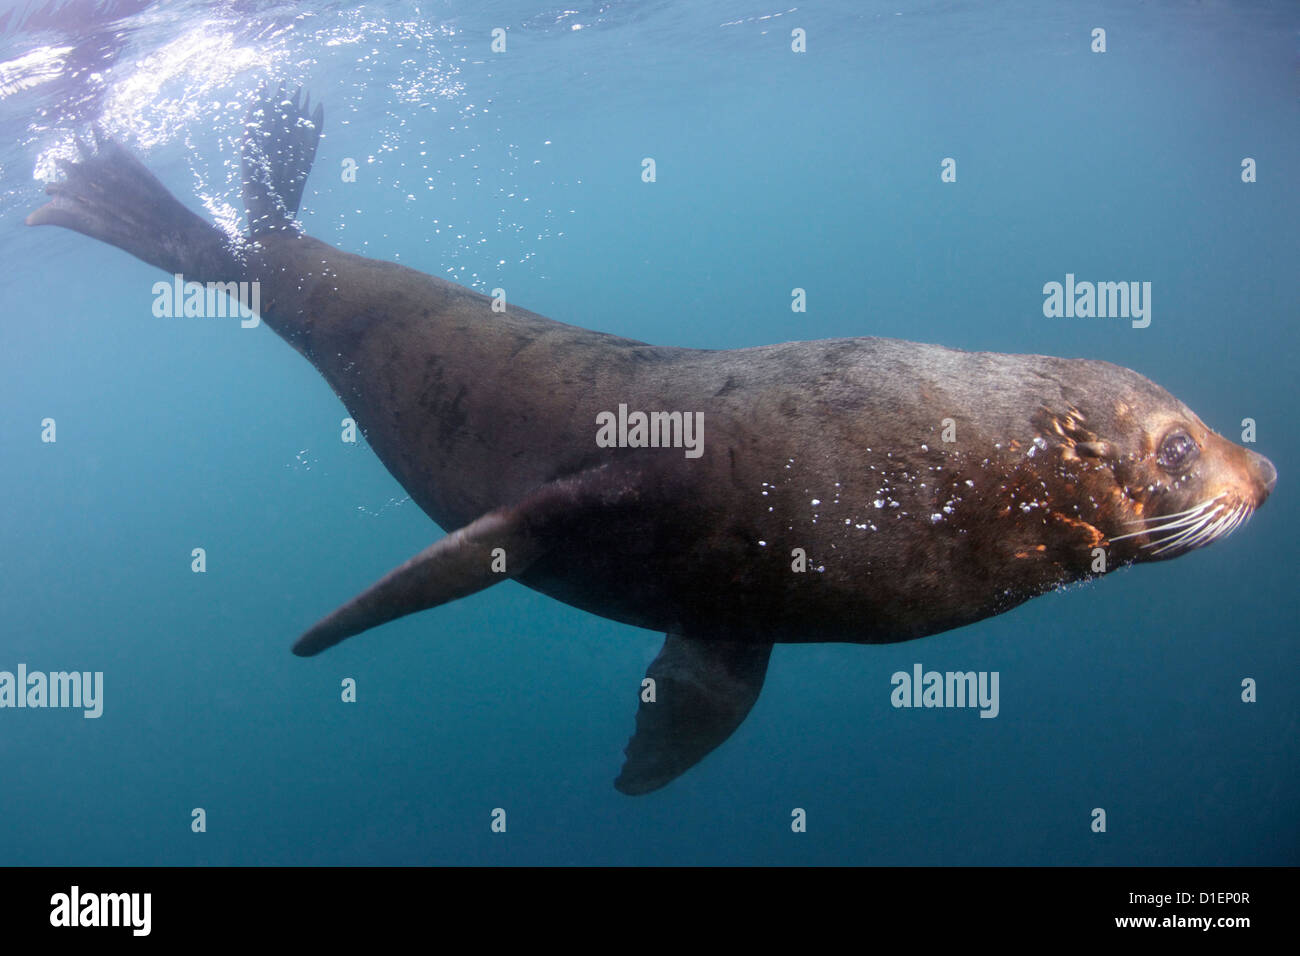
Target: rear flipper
x,y
110,196
280,139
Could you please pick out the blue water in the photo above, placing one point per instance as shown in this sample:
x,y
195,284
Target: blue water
x,y
775,169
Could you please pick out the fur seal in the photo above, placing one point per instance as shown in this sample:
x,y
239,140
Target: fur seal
x,y
855,490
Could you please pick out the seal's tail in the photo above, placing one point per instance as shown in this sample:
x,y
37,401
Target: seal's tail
x,y
108,194
280,139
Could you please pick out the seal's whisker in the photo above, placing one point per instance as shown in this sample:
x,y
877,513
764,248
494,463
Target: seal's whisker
x,y
1208,533
1176,514
1213,524
1188,521
1212,529
1158,529
1234,518
1180,540
1172,539
1168,522
1246,512
1188,536
1240,514
1172,522
1213,532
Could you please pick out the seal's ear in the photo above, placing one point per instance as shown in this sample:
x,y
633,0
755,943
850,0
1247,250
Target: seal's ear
x,y
1095,449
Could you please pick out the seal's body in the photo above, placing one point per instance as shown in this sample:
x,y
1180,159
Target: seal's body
x,y
857,490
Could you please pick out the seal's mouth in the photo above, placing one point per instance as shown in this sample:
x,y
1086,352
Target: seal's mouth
x,y
1174,534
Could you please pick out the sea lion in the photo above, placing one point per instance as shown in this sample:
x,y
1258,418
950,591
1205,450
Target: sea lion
x,y
855,490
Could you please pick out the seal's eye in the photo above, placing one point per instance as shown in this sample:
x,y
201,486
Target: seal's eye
x,y
1177,451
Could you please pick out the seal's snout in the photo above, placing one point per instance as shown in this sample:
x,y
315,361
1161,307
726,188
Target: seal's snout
x,y
1264,475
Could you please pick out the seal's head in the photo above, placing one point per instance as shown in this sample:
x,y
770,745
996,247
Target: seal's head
x,y
1169,483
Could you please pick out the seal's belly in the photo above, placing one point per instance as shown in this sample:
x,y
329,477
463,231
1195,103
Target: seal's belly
x,y
694,570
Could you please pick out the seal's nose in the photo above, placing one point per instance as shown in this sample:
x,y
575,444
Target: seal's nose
x,y
1265,476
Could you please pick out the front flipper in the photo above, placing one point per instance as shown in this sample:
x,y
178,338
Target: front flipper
x,y
703,691
462,563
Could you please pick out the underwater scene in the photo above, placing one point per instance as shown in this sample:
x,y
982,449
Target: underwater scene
x,y
649,433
